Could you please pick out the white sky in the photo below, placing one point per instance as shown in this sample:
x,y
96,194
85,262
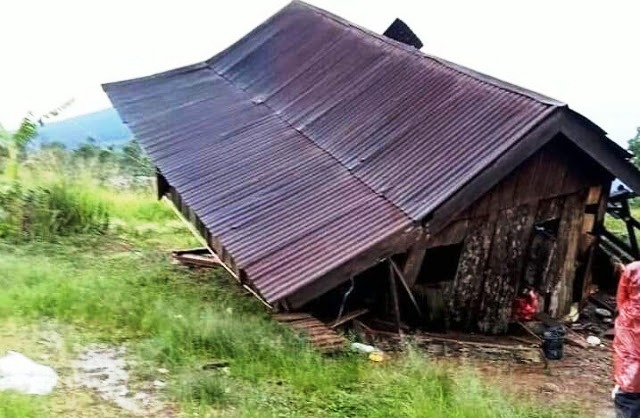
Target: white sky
x,y
586,53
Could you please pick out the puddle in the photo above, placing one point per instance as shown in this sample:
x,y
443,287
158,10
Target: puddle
x,y
103,369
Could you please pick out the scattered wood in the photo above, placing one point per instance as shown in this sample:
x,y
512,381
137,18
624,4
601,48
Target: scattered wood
x,y
319,335
601,303
526,328
348,317
525,341
196,260
383,325
288,317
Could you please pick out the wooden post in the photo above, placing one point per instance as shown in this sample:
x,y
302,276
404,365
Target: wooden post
x,y
412,266
597,226
633,240
394,295
406,286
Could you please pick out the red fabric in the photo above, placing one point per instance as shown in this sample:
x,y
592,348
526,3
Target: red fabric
x,y
626,344
526,307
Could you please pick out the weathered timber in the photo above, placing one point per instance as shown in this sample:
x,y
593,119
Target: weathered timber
x,y
454,233
504,268
541,260
393,288
348,317
196,260
415,257
463,293
569,234
323,338
557,169
587,278
406,286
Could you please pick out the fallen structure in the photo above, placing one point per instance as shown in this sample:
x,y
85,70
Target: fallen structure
x,y
333,169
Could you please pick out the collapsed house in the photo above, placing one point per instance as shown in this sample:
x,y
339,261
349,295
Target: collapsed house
x,y
319,159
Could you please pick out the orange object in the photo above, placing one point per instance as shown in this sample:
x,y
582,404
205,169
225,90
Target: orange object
x,y
626,344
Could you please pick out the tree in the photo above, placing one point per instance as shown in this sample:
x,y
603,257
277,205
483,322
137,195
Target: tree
x,y
634,147
15,143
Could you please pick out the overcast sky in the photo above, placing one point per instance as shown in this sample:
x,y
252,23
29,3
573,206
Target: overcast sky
x,y
585,53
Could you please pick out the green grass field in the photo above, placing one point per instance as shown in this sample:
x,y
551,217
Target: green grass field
x,y
119,287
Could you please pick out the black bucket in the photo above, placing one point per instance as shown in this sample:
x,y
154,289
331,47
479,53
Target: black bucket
x,y
552,344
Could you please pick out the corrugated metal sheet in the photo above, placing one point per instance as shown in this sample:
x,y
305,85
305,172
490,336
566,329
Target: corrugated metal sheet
x,y
311,139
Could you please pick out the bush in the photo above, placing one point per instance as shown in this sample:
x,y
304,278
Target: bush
x,y
47,212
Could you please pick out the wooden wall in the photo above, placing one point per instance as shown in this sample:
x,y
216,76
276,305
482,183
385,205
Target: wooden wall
x,y
501,250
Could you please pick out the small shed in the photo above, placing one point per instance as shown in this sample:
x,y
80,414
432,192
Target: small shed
x,y
315,157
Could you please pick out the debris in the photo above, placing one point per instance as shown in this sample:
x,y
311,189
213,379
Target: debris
x,y
20,373
363,348
197,257
526,328
323,338
377,356
550,388
159,383
599,301
604,313
215,364
348,317
593,340
162,370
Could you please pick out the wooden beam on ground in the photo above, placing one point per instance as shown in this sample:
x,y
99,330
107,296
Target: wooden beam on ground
x,y
526,328
348,317
406,286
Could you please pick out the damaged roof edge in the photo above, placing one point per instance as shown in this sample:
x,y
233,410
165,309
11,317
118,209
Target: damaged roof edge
x,y
396,242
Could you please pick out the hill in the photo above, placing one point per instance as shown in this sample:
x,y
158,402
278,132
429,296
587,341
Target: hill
x,y
104,126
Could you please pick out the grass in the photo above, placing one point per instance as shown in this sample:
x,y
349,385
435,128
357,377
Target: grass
x,y
120,287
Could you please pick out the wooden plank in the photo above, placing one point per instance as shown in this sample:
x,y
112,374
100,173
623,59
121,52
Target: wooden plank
x,y
406,286
504,268
394,296
463,294
209,261
588,222
593,197
412,266
348,317
454,233
569,236
293,316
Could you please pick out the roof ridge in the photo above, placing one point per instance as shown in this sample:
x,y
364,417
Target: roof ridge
x,y
485,78
277,114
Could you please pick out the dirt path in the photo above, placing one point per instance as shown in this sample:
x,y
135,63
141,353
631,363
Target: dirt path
x,y
583,378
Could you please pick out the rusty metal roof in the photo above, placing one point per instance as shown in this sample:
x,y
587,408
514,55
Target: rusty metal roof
x,y
311,139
